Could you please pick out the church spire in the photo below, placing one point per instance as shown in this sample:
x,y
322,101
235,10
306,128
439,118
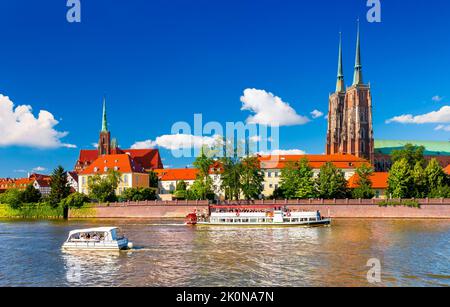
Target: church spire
x,y
104,120
340,76
357,78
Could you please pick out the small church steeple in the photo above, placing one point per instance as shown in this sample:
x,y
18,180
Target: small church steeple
x,y
104,120
340,87
104,143
358,78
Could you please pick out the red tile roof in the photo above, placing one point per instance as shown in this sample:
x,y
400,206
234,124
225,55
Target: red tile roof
x,y
315,161
447,170
122,163
147,158
177,174
379,180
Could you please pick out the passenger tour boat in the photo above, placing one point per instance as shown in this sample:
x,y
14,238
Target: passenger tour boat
x,y
102,238
257,215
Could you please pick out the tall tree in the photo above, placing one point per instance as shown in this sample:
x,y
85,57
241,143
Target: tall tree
x,y
231,178
435,175
153,179
412,154
419,181
251,178
297,180
364,182
203,187
400,181
331,182
60,188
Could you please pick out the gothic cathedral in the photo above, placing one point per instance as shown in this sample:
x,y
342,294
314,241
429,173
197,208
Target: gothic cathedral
x,y
350,113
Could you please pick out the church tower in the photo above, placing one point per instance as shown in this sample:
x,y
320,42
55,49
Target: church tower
x,y
357,132
104,143
336,109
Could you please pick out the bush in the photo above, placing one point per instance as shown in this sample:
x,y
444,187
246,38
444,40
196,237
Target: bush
x,y
30,195
394,203
75,200
440,192
138,194
11,197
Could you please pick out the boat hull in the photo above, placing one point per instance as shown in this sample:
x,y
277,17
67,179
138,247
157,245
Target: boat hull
x,y
324,222
96,246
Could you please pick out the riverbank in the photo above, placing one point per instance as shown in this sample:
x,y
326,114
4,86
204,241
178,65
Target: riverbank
x,y
333,208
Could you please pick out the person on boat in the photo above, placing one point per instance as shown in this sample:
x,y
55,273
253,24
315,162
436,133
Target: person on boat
x,y
318,215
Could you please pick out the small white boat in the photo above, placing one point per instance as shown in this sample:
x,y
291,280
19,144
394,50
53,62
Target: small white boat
x,y
101,238
257,216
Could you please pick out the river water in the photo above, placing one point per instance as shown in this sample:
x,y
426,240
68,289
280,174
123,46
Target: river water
x,y
411,253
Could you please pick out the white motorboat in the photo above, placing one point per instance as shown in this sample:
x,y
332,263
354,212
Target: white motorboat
x,y
101,238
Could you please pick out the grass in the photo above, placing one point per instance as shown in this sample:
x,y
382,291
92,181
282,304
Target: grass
x,y
83,212
32,211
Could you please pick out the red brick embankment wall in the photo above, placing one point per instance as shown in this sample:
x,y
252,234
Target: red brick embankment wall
x,y
141,210
429,209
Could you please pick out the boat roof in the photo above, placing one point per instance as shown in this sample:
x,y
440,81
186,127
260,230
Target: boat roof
x,y
247,206
97,229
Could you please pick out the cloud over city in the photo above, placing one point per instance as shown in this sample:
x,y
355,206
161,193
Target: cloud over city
x,y
269,109
19,127
441,116
176,141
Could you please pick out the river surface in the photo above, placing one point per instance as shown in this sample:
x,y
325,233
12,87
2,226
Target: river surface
x,y
411,253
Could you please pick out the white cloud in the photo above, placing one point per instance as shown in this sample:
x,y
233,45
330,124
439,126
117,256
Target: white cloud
x,y
435,117
19,127
283,152
437,98
442,128
269,109
39,169
176,141
95,145
316,114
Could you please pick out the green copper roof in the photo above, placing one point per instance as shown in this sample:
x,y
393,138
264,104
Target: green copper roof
x,y
431,148
357,77
104,121
340,76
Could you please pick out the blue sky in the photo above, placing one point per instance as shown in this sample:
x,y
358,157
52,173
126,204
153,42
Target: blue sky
x,y
159,62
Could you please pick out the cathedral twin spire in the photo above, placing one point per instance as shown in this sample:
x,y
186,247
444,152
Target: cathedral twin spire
x,y
357,76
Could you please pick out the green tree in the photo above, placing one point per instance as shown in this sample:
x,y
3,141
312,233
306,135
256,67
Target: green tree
x,y
138,194
12,198
400,181
203,188
103,189
412,154
440,192
364,182
75,200
153,179
30,195
419,181
181,190
297,180
331,182
435,175
231,178
251,178
59,186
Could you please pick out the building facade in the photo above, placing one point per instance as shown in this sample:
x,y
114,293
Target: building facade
x,y
132,175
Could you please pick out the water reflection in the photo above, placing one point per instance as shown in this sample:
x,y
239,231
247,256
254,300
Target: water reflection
x,y
88,268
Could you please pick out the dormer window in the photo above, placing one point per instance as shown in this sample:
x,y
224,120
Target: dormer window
x,y
116,168
95,169
105,169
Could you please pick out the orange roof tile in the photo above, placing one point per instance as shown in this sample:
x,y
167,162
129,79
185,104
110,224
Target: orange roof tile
x,y
315,161
122,163
177,174
379,180
447,170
